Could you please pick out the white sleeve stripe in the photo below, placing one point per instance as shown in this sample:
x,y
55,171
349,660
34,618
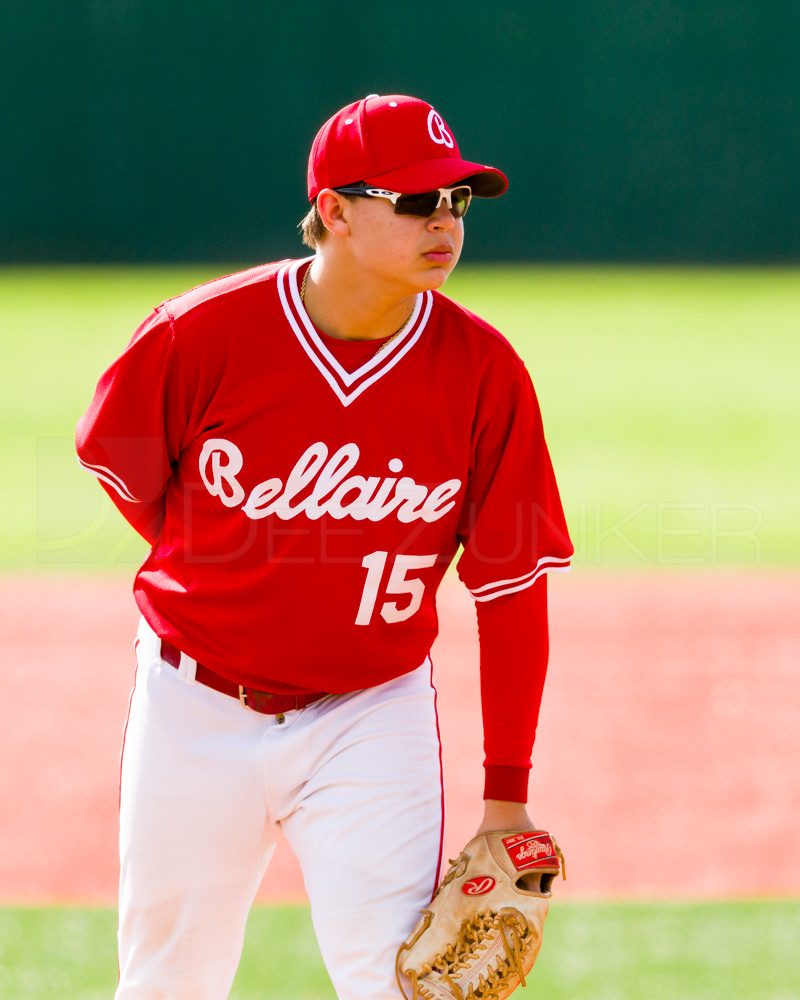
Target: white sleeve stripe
x,y
546,562
111,478
521,586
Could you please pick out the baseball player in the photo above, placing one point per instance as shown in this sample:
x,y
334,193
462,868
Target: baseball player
x,y
306,446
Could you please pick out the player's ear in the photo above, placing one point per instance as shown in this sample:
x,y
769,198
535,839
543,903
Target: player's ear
x,y
333,210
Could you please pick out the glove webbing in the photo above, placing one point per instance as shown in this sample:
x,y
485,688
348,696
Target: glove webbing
x,y
473,937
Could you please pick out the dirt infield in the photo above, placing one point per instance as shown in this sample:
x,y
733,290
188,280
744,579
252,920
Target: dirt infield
x,y
666,760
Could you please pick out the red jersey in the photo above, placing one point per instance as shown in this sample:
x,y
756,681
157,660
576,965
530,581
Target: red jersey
x,y
304,499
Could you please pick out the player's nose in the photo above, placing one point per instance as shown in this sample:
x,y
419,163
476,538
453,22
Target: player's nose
x,y
442,218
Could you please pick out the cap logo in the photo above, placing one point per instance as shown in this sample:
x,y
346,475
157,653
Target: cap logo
x,y
437,130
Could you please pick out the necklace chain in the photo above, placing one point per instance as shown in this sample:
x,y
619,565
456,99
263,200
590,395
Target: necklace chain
x,y
386,342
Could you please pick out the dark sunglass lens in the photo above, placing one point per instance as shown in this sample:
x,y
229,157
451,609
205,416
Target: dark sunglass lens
x,y
461,199
423,205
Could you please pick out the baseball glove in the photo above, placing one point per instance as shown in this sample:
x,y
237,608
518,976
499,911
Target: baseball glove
x,y
482,931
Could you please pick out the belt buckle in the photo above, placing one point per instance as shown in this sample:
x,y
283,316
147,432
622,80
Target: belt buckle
x,y
299,702
266,694
257,705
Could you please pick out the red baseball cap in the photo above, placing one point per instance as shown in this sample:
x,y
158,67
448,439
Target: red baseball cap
x,y
395,142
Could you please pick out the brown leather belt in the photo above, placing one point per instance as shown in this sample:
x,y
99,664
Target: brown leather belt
x,y
259,701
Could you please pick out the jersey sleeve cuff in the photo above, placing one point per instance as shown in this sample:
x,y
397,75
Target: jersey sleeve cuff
x,y
110,478
509,784
499,588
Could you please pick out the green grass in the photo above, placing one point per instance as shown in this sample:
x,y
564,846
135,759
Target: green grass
x,y
669,397
592,951
670,403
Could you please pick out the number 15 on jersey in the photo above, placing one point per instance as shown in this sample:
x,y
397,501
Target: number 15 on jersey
x,y
399,583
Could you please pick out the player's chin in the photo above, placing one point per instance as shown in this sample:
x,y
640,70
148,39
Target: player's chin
x,y
436,273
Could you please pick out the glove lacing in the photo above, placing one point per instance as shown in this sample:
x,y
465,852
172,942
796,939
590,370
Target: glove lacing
x,y
472,939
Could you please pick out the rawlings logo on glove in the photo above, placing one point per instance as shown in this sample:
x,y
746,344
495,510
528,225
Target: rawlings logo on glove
x,y
482,933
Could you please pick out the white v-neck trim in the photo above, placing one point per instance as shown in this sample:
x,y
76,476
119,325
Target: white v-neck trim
x,y
348,386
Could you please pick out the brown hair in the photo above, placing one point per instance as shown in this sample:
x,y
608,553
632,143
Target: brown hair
x,y
312,227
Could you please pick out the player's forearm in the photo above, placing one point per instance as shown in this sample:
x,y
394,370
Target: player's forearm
x,y
514,652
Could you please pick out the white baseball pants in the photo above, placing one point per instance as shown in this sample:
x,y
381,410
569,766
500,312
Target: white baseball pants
x,y
207,787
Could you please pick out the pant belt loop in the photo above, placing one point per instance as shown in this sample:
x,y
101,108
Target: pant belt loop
x,y
187,669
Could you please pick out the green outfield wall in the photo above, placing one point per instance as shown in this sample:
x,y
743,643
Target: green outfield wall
x,y
162,130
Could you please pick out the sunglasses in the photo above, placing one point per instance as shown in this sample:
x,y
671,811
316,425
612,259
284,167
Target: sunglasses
x,y
422,205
